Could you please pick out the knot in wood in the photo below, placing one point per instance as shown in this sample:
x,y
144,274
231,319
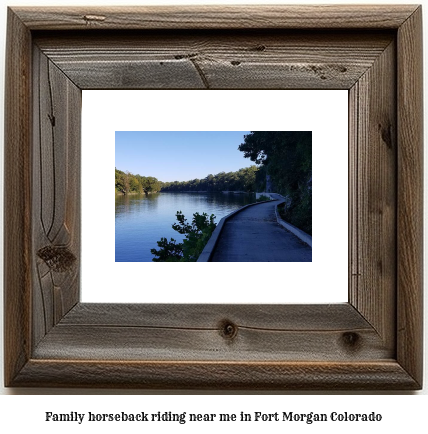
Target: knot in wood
x,y
386,134
351,340
89,18
58,259
228,330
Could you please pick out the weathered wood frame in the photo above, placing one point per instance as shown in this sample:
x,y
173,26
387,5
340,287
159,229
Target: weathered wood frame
x,y
372,342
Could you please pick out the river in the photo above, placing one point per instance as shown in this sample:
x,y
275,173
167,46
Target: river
x,y
142,220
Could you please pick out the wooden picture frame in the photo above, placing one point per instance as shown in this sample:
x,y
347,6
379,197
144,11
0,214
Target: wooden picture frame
x,y
372,342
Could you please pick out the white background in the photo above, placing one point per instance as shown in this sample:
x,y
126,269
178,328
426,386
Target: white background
x,y
401,413
324,280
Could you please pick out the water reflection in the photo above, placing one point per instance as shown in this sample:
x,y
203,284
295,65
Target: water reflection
x,y
141,220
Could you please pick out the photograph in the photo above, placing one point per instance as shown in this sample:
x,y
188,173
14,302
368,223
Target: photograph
x,y
236,196
278,77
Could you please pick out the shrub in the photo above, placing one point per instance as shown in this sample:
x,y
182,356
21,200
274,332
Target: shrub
x,y
263,198
196,237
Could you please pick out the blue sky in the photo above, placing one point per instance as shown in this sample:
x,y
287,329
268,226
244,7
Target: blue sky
x,y
179,155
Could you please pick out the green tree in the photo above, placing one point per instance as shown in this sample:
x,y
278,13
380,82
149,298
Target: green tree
x,y
287,157
120,181
134,185
169,251
242,180
126,182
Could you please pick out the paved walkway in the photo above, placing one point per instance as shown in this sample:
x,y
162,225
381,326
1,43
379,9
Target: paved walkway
x,y
253,235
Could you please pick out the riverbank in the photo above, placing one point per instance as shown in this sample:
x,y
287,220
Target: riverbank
x,y
209,191
133,193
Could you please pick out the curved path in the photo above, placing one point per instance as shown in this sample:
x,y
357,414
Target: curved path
x,y
253,235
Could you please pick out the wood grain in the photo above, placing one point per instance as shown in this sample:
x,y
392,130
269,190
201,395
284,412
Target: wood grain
x,y
56,194
376,375
17,199
410,197
217,17
373,163
216,60
209,316
199,332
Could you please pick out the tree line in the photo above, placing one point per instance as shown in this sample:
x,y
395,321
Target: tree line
x,y
286,156
241,180
126,182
